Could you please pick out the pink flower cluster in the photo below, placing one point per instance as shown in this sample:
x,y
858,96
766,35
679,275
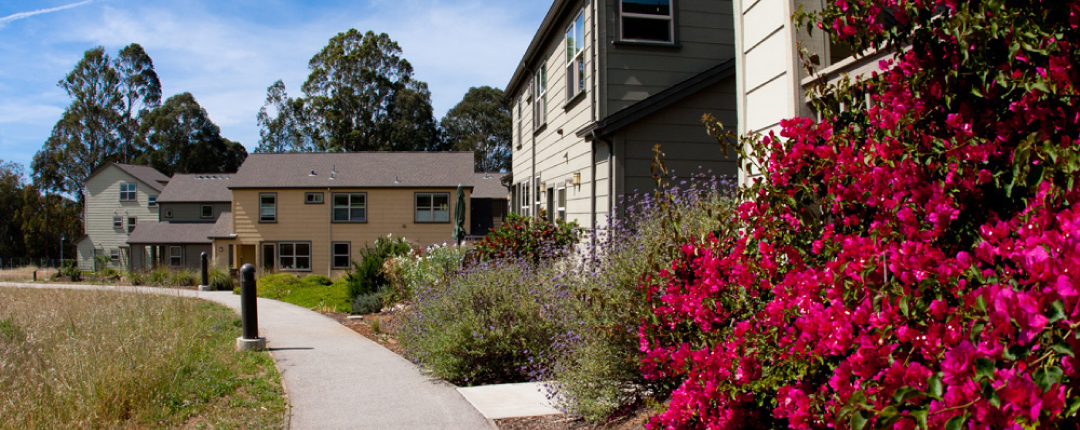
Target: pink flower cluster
x,y
913,264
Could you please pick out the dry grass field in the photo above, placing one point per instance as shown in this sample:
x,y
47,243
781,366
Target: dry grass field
x,y
26,274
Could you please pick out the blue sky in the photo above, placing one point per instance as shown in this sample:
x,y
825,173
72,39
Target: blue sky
x,y
227,52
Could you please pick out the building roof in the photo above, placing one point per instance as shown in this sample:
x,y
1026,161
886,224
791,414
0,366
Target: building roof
x,y
145,174
488,186
548,27
202,187
660,100
355,170
223,227
162,233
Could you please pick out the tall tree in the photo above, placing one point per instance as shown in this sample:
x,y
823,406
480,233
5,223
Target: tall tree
x,y
46,220
481,123
179,137
11,185
97,128
359,96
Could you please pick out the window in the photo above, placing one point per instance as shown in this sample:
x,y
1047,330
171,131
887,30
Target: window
x,y
131,224
575,57
540,106
152,203
127,192
560,203
520,120
525,202
537,189
432,207
313,198
350,207
118,223
342,255
294,256
114,254
207,211
647,20
268,207
176,256
168,213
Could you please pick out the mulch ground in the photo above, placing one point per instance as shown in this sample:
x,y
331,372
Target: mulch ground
x,y
384,336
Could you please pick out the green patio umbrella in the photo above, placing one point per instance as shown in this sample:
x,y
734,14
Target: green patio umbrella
x,y
459,216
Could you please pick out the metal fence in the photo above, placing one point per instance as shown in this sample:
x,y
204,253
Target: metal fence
x,y
19,263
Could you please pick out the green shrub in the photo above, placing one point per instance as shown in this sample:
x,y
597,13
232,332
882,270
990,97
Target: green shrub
x,y
72,271
276,286
221,279
182,278
135,278
367,275
531,238
435,266
368,303
317,280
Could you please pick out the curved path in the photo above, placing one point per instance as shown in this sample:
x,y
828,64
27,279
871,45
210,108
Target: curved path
x,y
336,378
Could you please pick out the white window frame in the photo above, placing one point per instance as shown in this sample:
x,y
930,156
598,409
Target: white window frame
x,y
526,202
348,207
118,222
295,255
537,190
129,192
334,255
520,121
313,198
202,211
132,221
575,57
670,18
433,209
540,96
114,255
151,202
176,256
272,217
560,203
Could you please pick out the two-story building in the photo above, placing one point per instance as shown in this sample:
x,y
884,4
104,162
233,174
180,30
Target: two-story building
x,y
602,83
118,196
313,212
189,209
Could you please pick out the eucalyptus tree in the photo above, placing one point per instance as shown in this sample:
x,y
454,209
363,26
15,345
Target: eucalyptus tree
x,y
481,123
179,137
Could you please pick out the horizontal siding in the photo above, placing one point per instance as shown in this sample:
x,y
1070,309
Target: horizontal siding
x,y
191,212
103,203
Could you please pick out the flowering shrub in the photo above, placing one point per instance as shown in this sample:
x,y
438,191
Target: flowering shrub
x,y
532,238
367,276
422,268
908,264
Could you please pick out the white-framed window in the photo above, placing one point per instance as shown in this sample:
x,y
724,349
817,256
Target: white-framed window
x,y
560,203
432,207
540,94
313,198
128,192
207,211
575,57
526,203
151,202
268,207
342,254
131,223
520,120
647,20
118,223
176,256
350,207
538,187
294,256
114,255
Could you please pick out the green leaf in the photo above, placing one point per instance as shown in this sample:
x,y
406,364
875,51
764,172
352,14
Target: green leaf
x,y
905,393
956,422
859,420
888,412
984,368
935,389
1047,377
1057,312
980,303
920,417
1063,348
1074,406
904,306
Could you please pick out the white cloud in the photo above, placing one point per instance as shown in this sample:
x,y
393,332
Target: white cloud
x,y
22,15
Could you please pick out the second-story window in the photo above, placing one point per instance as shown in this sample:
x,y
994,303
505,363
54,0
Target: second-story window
x,y
575,57
152,202
350,207
647,20
207,211
127,192
268,207
520,120
540,104
131,223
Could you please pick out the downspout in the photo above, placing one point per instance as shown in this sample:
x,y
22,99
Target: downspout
x,y
329,233
532,159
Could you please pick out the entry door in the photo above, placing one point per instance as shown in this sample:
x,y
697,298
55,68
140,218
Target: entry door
x,y
268,256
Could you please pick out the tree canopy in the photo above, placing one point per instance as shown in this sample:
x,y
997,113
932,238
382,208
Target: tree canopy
x,y
359,96
32,224
481,123
178,137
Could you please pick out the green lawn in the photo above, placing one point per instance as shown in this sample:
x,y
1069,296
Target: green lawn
x,y
311,292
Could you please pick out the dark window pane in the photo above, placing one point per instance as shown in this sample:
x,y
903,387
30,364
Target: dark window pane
x,y
303,249
647,29
423,200
341,214
442,200
647,7
341,199
341,248
357,215
303,263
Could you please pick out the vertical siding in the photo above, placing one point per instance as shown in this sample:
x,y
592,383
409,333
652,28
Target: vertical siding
x,y
704,37
389,211
103,203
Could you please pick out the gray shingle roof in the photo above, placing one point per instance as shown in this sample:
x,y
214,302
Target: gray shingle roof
x,y
160,233
355,170
202,187
223,228
488,186
146,174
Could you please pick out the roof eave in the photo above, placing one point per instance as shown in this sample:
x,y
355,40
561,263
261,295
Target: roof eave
x,y
558,8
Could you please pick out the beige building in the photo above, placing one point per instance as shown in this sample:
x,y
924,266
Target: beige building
x,y
602,83
118,197
313,212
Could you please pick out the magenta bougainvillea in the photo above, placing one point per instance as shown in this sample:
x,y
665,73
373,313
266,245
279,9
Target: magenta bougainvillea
x,y
910,262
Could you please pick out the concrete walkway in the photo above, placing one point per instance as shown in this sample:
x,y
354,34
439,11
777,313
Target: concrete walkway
x,y
336,378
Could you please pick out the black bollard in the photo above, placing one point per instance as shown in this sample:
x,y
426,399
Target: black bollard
x,y
249,314
205,265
